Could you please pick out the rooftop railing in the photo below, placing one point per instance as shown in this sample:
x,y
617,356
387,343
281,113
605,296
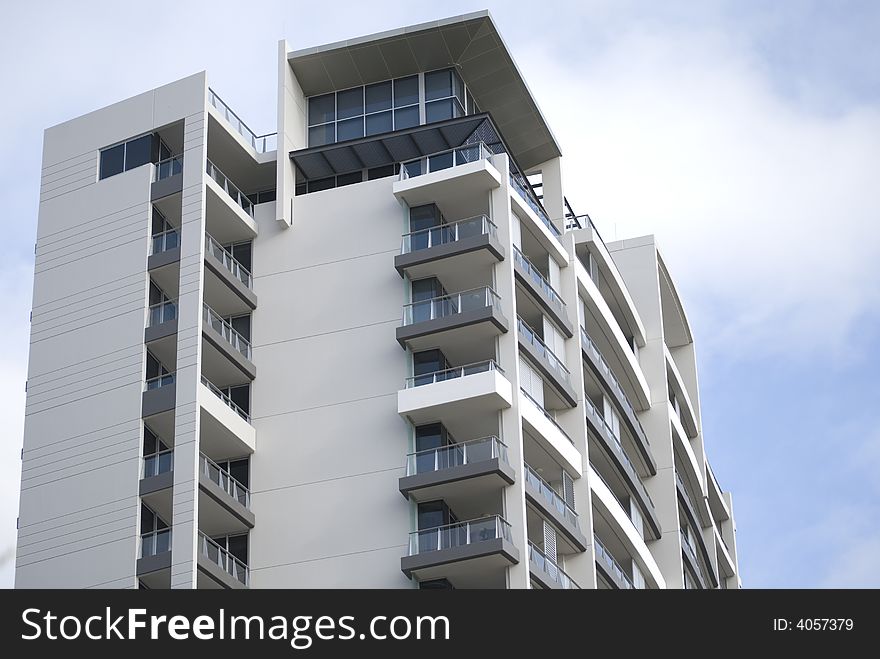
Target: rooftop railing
x,y
168,167
450,305
453,373
546,414
451,232
459,534
162,242
455,455
221,557
444,160
551,496
224,480
531,337
155,542
550,568
260,143
159,381
158,463
229,188
539,280
225,398
161,312
528,196
228,260
226,330
602,554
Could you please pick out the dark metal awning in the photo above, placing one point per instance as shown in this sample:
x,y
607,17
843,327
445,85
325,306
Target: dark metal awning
x,y
398,146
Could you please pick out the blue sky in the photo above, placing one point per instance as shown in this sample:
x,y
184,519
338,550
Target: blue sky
x,y
745,135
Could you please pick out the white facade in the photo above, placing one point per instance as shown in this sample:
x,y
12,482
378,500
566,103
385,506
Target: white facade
x,y
365,351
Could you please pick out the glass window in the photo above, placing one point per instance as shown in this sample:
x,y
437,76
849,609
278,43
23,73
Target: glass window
x,y
320,135
406,91
322,109
350,103
438,84
239,471
319,184
406,117
378,97
137,152
348,179
440,110
350,129
471,104
457,86
380,172
241,396
112,160
379,123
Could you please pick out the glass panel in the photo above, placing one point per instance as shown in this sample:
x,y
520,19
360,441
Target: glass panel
x,y
137,152
350,129
406,91
379,123
348,179
438,110
322,109
378,97
350,103
112,160
406,117
440,161
457,86
241,396
321,184
438,84
380,172
320,135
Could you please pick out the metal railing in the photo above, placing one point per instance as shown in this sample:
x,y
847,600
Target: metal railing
x,y
528,196
229,188
450,305
226,330
459,534
452,373
615,383
168,167
221,557
225,398
550,495
538,279
455,455
479,225
445,159
224,480
260,143
549,567
605,556
225,257
546,413
531,337
162,242
158,463
161,312
159,381
155,542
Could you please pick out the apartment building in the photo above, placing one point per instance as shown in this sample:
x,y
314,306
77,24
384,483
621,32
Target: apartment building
x,y
375,348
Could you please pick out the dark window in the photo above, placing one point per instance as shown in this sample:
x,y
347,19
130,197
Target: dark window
x,y
379,123
302,187
438,84
138,152
406,117
241,396
148,520
151,442
446,109
242,325
112,161
378,97
406,91
238,547
348,179
318,184
381,172
350,103
433,514
241,252
320,135
425,363
240,471
350,129
322,109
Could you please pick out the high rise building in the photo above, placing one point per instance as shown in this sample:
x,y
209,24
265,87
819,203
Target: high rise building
x,y
376,348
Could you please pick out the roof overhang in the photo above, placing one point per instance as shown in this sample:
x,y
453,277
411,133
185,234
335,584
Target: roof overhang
x,y
470,42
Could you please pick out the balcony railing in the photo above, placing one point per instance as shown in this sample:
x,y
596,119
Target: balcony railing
x,y
228,260
550,495
156,542
455,455
602,554
224,480
161,312
444,234
549,567
452,373
450,305
230,188
169,167
538,279
159,381
459,534
221,557
529,197
158,463
547,414
260,143
226,330
444,160
615,383
225,398
532,338
162,242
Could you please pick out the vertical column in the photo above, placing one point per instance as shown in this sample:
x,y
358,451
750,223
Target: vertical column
x,y
185,510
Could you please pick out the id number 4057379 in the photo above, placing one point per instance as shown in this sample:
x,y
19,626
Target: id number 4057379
x,y
813,624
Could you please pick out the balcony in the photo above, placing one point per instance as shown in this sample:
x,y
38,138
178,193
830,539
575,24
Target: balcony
x,y
259,143
610,569
235,285
161,321
464,245
547,573
524,190
470,389
154,553
227,341
694,521
224,425
164,249
222,569
160,395
552,438
237,197
610,383
470,316
167,178
690,557
463,548
458,471
157,478
550,366
464,171
541,291
554,508
226,507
